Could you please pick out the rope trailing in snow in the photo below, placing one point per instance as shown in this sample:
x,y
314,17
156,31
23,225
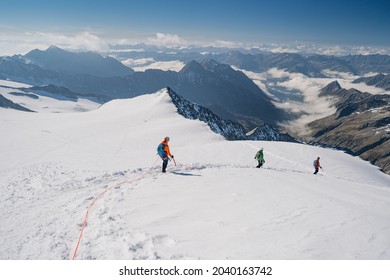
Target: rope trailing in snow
x,y
99,196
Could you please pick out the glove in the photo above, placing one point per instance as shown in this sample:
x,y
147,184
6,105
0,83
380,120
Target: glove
x,y
172,156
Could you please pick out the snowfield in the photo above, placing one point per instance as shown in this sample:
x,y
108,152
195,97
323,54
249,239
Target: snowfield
x,y
212,205
43,102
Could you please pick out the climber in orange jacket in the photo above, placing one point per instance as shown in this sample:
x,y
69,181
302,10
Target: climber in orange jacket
x,y
164,152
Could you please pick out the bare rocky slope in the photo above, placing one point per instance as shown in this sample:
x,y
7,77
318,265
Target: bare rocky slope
x,y
360,126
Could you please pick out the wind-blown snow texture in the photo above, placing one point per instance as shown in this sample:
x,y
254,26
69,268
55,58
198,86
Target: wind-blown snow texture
x,y
213,205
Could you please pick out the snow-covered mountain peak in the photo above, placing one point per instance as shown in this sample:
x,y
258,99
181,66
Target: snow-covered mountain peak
x,y
163,92
154,102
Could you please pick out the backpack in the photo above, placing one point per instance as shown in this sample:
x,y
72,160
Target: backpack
x,y
315,163
160,150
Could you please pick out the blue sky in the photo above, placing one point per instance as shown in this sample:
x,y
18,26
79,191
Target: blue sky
x,y
327,22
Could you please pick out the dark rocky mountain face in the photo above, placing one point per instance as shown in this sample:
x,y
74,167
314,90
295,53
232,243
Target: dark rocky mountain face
x,y
342,96
220,85
380,80
331,89
228,129
360,126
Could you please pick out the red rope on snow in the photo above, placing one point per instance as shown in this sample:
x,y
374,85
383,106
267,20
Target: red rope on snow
x,y
100,195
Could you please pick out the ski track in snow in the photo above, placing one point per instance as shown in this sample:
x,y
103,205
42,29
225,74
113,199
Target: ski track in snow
x,y
48,190
133,243
25,200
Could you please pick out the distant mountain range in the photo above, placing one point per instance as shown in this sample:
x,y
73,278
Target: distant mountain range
x,y
360,126
229,93
309,65
380,80
88,63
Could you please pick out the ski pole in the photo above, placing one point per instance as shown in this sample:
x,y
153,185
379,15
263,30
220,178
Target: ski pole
x,y
174,161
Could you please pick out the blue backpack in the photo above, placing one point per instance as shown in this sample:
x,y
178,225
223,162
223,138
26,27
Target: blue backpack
x,y
160,150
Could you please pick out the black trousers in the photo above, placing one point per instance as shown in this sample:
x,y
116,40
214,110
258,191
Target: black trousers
x,y
260,163
315,172
165,164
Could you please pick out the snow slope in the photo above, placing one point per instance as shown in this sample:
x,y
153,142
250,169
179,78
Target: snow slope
x,y
44,102
213,205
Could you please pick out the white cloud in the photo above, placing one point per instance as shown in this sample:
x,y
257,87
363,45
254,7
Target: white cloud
x,y
363,87
258,79
10,48
309,48
175,41
174,65
127,50
137,62
14,41
277,73
23,42
338,50
283,50
339,75
225,44
143,64
312,106
167,40
332,50
82,41
346,81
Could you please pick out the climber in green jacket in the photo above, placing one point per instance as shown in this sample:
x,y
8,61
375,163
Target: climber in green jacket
x,y
260,158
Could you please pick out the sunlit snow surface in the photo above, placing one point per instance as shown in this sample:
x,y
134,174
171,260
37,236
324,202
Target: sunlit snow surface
x,y
213,205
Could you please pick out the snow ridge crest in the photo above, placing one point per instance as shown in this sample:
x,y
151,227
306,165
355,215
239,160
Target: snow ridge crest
x,y
228,129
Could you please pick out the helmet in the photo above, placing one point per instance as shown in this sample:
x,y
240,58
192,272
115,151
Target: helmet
x,y
166,138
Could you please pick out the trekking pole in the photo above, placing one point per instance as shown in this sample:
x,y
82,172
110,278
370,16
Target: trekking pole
x,y
174,161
